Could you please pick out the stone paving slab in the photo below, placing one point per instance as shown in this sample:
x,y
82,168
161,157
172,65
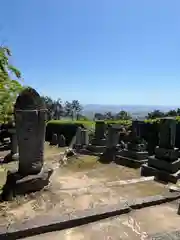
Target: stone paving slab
x,y
45,224
157,222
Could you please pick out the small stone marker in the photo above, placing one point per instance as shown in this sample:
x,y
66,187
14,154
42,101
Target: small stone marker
x,y
78,141
13,155
30,116
54,140
84,137
61,141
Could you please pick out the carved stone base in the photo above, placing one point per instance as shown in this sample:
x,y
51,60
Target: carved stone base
x,y
159,174
129,162
134,154
108,156
85,151
99,142
171,167
169,154
97,149
77,147
10,158
18,185
138,147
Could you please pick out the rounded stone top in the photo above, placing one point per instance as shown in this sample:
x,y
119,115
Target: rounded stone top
x,y
29,99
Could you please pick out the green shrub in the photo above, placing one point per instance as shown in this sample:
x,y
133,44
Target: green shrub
x,y
68,129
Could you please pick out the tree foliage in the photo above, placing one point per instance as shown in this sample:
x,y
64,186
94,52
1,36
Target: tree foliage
x,y
57,109
9,87
159,114
122,115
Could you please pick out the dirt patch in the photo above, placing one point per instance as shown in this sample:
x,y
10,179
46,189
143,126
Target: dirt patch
x,y
114,172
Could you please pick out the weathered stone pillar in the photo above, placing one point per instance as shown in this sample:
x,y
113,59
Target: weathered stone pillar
x,y
30,116
113,137
78,137
30,125
100,129
85,137
111,143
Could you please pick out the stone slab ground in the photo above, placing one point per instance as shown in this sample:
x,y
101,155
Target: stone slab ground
x,y
158,221
71,190
84,183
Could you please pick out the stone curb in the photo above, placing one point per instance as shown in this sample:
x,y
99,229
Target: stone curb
x,y
44,224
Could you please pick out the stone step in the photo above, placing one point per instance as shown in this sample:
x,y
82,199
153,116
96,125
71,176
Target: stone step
x,y
171,167
129,162
159,174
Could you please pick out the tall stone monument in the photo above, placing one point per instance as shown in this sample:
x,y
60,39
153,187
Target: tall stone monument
x,y
165,164
30,117
136,153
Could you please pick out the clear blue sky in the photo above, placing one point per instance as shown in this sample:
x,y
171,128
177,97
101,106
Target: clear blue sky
x,y
97,51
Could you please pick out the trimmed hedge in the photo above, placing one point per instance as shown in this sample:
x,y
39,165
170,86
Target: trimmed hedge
x,y
68,129
149,130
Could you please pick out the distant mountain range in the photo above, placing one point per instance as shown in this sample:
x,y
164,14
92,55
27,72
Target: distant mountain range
x,y
137,111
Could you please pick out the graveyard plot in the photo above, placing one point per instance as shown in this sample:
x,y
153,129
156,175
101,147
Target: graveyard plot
x,y
78,188
161,221
81,184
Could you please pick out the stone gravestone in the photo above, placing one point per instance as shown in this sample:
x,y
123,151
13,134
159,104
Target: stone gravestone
x,y
98,143
84,137
30,117
136,153
61,141
167,133
165,164
13,155
78,141
113,136
111,144
100,129
54,140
